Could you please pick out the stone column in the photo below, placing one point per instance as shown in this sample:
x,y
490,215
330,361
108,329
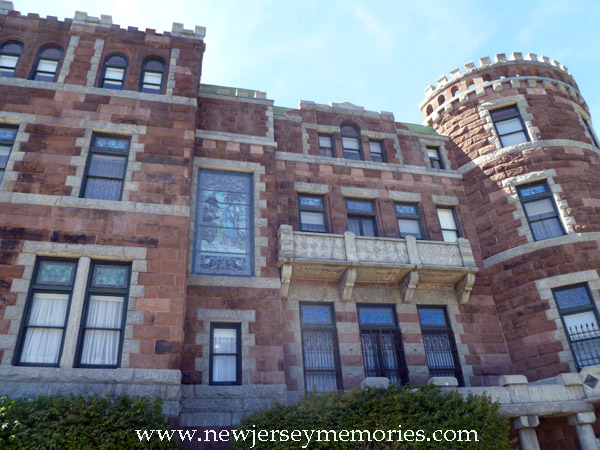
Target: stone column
x,y
585,433
525,425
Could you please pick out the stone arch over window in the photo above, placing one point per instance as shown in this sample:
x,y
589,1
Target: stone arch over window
x,y
113,71
10,52
46,63
153,75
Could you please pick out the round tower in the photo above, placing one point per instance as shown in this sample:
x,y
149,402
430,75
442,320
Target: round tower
x,y
522,138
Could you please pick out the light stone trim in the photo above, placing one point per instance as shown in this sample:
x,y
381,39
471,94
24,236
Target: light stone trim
x,y
172,70
95,62
15,153
270,122
68,59
401,196
444,200
232,98
234,137
443,153
545,286
350,191
311,188
345,108
248,282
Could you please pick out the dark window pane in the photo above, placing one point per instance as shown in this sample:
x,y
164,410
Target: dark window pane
x,y
117,60
51,52
154,65
368,227
354,226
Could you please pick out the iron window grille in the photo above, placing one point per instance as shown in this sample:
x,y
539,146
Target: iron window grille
x,y
376,150
153,71
326,147
440,346
106,167
225,366
509,125
435,157
320,348
382,348
580,322
361,217
311,209
540,210
448,223
113,71
46,65
10,52
8,134
408,218
351,143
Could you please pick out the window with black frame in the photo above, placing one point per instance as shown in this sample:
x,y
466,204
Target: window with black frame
x,y
383,352
153,71
509,125
106,167
326,145
8,134
46,65
540,210
351,142
409,220
113,72
376,150
580,321
311,209
361,217
590,131
320,349
225,354
448,223
10,52
435,157
440,346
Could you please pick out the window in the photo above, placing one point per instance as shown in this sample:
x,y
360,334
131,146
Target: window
x,y
351,142
509,125
42,332
105,168
223,243
10,52
113,73
438,339
448,222
540,210
320,348
376,149
326,145
104,315
409,220
361,217
590,132
312,213
435,158
225,366
383,352
580,321
153,71
8,134
46,64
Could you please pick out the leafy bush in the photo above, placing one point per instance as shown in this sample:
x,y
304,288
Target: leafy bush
x,y
404,409
69,423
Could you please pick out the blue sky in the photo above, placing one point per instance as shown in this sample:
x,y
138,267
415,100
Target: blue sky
x,y
376,54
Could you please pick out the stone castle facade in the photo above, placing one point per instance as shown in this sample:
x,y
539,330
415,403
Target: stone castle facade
x,y
163,237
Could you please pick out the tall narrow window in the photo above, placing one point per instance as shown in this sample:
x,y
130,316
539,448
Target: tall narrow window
x,y
113,72
46,65
312,213
361,217
320,348
435,158
509,125
223,242
409,220
8,133
448,223
351,142
590,131
326,145
541,211
10,52
153,71
580,321
440,346
376,150
46,312
105,168
383,352
225,354
105,311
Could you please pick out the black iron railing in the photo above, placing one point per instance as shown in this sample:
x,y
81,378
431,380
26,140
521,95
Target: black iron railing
x,y
321,360
383,354
585,344
442,356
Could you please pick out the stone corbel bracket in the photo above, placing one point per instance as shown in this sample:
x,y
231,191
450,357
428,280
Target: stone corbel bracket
x,y
408,287
286,278
347,284
464,287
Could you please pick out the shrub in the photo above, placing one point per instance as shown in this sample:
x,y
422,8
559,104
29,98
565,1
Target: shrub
x,y
397,408
69,423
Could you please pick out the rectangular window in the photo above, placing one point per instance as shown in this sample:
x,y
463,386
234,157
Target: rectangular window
x,y
312,213
509,125
448,223
225,354
540,209
361,217
42,333
438,339
580,321
409,220
224,234
435,158
376,149
46,70
104,315
326,145
8,133
383,352
320,348
106,167
590,132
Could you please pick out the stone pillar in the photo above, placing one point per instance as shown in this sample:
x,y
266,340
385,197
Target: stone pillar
x,y
585,433
525,425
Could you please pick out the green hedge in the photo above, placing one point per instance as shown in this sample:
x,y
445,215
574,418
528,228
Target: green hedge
x,y
69,423
397,408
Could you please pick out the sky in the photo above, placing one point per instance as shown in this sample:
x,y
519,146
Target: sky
x,y
378,54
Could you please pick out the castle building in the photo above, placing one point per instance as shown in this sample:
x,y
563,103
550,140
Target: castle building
x,y
163,237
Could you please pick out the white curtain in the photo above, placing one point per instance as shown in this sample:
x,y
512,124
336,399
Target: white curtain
x,y
224,366
100,347
42,345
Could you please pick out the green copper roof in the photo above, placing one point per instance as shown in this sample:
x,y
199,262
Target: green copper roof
x,y
225,90
281,110
418,128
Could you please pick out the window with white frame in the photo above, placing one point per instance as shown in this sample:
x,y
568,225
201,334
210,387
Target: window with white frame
x,y
225,354
8,134
509,125
540,210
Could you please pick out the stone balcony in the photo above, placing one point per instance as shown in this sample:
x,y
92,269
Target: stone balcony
x,y
349,259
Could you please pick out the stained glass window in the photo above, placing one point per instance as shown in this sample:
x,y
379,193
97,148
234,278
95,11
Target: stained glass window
x,y
56,273
224,235
432,317
316,314
376,316
311,210
111,276
533,190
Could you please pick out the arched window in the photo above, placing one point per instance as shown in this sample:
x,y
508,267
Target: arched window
x,y
46,65
351,142
10,52
113,72
153,71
